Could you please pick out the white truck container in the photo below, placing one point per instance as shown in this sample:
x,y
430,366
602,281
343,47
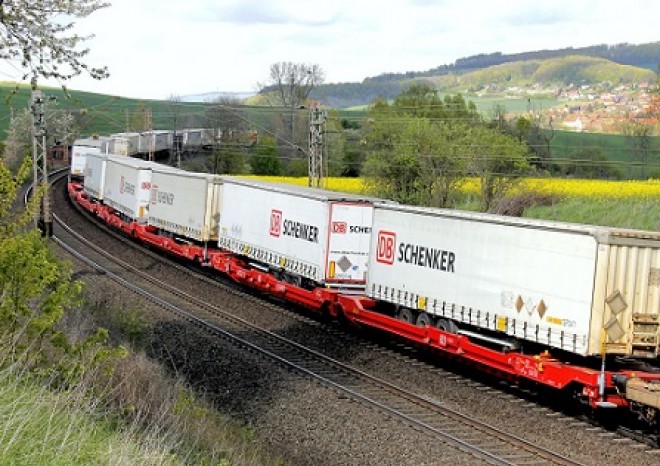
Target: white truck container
x,y
323,236
192,138
82,147
127,187
573,287
185,203
155,141
126,144
94,175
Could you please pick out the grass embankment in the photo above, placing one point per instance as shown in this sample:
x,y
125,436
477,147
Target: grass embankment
x,y
128,411
150,420
48,428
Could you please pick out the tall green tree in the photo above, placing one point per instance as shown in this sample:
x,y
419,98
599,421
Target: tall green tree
x,y
334,146
420,147
421,100
497,159
417,162
265,161
638,136
413,153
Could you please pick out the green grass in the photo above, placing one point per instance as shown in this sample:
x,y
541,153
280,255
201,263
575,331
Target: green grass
x,y
616,147
98,113
43,428
642,214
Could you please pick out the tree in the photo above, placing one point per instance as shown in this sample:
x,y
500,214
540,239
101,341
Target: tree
x,y
334,143
265,161
421,101
36,290
497,159
59,128
526,130
414,146
416,161
141,119
36,33
639,138
289,84
230,127
34,287
590,162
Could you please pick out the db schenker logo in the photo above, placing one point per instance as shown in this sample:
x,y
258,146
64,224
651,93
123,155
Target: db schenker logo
x,y
275,223
339,227
385,248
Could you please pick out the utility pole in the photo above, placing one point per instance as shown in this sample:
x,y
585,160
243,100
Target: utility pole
x,y
43,218
315,162
151,137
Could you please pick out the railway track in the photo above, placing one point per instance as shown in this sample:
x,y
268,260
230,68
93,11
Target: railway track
x,y
439,422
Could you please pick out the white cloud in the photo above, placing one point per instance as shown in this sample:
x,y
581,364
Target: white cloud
x,y
155,48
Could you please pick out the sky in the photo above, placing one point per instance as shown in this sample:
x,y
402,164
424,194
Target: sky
x,y
156,49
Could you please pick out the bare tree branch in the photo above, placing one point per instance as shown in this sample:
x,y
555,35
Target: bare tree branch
x,y
292,82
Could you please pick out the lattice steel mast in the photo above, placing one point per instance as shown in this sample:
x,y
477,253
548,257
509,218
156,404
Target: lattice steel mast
x,y
43,217
317,119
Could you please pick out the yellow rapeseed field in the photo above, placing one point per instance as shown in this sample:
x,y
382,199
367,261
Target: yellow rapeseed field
x,y
552,186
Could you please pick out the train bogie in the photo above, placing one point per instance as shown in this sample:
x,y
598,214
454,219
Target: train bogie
x,y
571,287
320,236
184,203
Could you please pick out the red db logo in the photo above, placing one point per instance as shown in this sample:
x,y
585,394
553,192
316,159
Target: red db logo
x,y
275,223
385,247
339,227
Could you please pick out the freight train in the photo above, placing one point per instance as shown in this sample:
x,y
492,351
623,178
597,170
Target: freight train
x,y
496,292
135,144
157,143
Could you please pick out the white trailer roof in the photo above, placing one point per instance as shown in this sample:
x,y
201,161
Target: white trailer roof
x,y
604,234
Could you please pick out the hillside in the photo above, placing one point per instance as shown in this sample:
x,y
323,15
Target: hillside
x,y
97,113
555,72
637,60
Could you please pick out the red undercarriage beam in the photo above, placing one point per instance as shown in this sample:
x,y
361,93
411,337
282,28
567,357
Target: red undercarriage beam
x,y
542,368
241,273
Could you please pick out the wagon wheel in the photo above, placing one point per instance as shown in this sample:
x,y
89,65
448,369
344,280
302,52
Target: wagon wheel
x,y
423,319
406,315
446,325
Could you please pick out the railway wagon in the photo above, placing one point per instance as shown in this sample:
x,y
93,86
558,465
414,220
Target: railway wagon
x,y
155,141
579,288
127,187
305,236
94,175
191,138
84,146
126,144
185,204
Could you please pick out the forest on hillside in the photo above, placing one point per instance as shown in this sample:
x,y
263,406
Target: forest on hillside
x,y
389,85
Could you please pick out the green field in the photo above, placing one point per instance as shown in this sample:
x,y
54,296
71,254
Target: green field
x,y
97,113
616,147
517,105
